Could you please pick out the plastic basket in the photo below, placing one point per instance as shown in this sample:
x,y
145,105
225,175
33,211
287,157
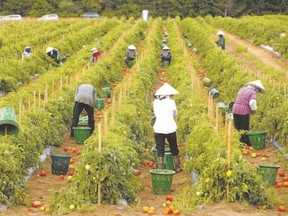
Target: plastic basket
x,y
81,134
207,82
165,63
130,63
161,180
168,161
60,164
268,172
257,139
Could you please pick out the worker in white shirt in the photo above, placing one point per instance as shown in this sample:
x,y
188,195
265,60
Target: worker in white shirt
x,y
165,127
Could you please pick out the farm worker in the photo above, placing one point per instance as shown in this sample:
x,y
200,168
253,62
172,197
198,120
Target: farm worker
x,y
85,98
27,52
95,54
221,40
166,54
164,108
54,54
130,54
245,105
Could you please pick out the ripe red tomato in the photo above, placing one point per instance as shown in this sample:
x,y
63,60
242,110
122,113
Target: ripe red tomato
x,y
285,184
137,172
281,208
176,212
65,149
43,173
71,173
61,177
281,174
71,161
279,184
151,164
285,178
169,198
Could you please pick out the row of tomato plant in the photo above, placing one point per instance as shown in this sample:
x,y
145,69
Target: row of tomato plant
x,y
127,137
258,29
228,76
204,151
35,34
38,129
76,63
40,63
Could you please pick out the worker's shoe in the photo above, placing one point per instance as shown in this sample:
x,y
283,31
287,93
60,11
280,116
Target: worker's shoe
x,y
177,164
159,163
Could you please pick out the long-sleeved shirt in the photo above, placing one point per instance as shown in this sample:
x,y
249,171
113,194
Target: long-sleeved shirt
x,y
246,101
221,42
165,110
86,93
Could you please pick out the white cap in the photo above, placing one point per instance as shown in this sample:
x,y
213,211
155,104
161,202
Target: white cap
x,y
257,84
166,48
220,33
93,49
132,47
49,49
166,89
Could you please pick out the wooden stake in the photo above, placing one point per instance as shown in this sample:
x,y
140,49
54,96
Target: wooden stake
x,y
61,84
229,144
220,123
99,151
34,100
53,84
217,118
29,103
113,109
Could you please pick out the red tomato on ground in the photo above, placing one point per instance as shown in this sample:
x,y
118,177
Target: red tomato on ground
x,y
281,174
281,208
43,173
169,198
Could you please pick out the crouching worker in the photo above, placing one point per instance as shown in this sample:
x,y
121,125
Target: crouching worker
x,y
95,55
166,56
130,56
27,52
85,98
165,127
54,54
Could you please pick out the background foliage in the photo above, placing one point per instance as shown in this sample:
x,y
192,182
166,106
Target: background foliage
x,y
164,8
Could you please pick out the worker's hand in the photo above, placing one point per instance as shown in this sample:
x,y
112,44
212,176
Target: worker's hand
x,y
253,111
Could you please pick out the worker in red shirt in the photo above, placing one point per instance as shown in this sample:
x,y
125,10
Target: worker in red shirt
x,y
95,54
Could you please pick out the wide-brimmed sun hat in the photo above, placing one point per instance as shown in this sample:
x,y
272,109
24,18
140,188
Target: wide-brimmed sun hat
x,y
132,47
166,48
49,49
166,89
257,84
220,33
93,49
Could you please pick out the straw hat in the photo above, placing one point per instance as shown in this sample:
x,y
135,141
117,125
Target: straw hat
x,y
166,48
132,47
166,89
257,84
49,49
220,33
93,49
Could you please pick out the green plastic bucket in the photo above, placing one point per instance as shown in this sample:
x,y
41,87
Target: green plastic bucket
x,y
81,134
190,45
222,106
257,139
60,163
130,63
214,92
8,123
162,180
165,63
153,120
207,82
99,104
268,172
107,92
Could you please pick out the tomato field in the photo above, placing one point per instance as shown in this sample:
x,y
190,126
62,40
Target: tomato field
x,y
109,174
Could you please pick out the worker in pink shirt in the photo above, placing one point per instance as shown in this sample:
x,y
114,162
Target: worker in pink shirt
x,y
245,105
95,55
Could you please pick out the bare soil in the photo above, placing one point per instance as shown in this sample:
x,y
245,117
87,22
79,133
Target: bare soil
x,y
40,187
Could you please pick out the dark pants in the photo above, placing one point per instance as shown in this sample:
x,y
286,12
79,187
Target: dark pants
x,y
78,108
160,143
166,59
241,122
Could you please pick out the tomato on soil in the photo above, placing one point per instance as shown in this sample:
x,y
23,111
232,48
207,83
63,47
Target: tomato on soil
x,y
281,174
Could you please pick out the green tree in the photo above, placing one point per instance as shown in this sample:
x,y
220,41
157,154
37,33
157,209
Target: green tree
x,y
40,7
17,7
